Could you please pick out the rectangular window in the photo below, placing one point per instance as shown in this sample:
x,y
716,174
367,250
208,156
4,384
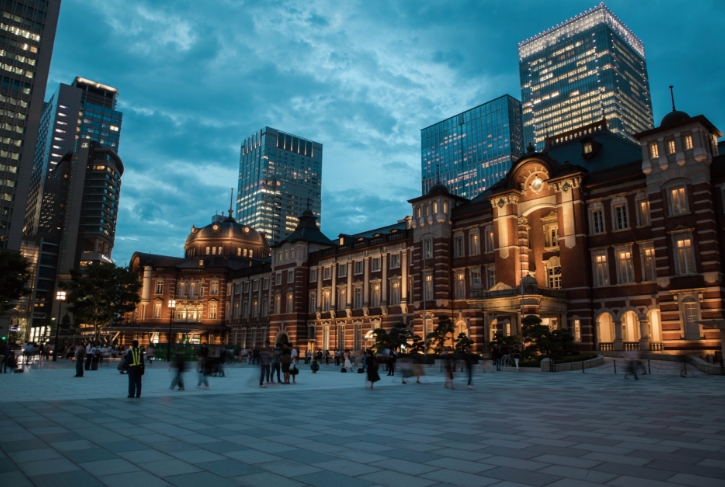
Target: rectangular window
x,y
290,303
327,273
375,296
326,301
245,309
278,279
265,306
312,305
625,266
255,286
235,314
159,287
375,264
358,267
577,331
214,289
475,244
620,217
460,285
687,141
428,287
649,265
394,261
691,319
246,286
394,293
489,242
458,247
551,235
598,221
654,151
554,277
358,298
685,254
313,275
342,270
265,284
341,299
643,215
601,270
157,310
678,201
670,146
427,248
212,311
277,304
290,276
255,308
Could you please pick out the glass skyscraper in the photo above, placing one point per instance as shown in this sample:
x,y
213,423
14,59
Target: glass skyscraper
x,y
280,176
473,150
589,67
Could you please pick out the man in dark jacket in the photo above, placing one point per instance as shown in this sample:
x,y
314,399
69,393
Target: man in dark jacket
x,y
135,361
80,355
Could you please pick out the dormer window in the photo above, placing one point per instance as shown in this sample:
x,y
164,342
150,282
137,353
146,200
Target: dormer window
x,y
588,149
670,146
687,141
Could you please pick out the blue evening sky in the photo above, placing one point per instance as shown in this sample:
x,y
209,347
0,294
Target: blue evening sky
x,y
361,77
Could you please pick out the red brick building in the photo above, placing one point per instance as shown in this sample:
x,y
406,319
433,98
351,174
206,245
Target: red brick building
x,y
618,242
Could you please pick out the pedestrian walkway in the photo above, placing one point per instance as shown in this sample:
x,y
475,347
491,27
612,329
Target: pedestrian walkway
x,y
558,429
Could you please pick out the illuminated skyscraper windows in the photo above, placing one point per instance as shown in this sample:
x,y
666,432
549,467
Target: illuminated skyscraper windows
x,y
589,67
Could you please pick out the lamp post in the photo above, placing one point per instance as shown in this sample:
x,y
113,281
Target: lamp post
x,y
60,297
172,305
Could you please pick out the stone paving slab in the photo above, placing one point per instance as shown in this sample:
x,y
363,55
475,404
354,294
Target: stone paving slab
x,y
512,430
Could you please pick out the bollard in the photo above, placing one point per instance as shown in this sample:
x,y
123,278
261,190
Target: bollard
x,y
615,366
649,367
582,366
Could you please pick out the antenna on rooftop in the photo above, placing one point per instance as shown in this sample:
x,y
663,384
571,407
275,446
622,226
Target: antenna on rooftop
x,y
672,95
231,198
438,171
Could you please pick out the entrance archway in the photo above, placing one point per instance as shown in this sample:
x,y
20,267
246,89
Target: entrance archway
x,y
605,328
630,327
282,339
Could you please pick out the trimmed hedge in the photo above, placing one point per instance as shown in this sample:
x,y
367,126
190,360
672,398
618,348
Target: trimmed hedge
x,y
536,361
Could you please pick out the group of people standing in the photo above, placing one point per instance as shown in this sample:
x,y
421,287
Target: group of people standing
x,y
280,358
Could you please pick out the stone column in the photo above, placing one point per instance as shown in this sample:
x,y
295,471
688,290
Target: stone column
x,y
618,342
333,294
319,288
384,284
348,305
404,277
366,282
644,336
523,230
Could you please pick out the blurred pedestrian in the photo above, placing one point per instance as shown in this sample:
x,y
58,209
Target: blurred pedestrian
x,y
392,358
372,367
265,359
275,364
450,367
516,355
80,355
150,353
179,366
285,360
468,359
201,372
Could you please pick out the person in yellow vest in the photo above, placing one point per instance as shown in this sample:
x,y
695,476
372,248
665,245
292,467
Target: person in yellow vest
x,y
135,360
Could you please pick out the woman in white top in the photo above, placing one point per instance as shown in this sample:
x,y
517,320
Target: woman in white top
x,y
347,364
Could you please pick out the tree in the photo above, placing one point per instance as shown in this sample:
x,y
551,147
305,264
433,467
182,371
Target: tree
x,y
462,343
101,294
439,336
14,275
541,339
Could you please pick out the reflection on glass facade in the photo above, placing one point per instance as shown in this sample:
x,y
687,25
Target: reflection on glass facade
x,y
474,149
280,176
589,67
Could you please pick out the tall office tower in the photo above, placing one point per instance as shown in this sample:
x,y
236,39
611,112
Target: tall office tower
x,y
474,149
589,67
80,112
77,226
27,33
280,176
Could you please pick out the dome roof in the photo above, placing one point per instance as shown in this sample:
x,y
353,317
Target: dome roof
x,y
674,117
223,230
438,188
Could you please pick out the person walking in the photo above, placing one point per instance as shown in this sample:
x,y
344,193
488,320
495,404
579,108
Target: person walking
x,y
201,371
293,370
372,367
275,365
4,354
135,361
497,355
150,353
327,357
179,366
286,360
450,367
265,359
468,359
80,355
89,356
516,355
392,358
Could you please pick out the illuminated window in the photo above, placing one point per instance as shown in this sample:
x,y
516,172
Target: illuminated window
x,y
619,211
691,318
157,310
588,148
625,267
214,287
394,261
375,264
670,146
649,264
375,296
460,285
601,270
678,201
290,303
685,254
428,287
474,243
395,293
551,235
326,301
554,277
489,239
277,304
312,304
341,298
643,214
687,141
212,311
654,151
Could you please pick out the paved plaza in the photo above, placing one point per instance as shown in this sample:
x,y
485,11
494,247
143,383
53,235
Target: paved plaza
x,y
514,429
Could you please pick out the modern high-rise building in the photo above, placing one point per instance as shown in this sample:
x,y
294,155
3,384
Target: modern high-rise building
x,y
280,176
473,150
27,34
81,112
580,71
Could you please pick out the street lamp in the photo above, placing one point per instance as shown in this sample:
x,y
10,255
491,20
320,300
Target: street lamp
x,y
172,305
60,297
